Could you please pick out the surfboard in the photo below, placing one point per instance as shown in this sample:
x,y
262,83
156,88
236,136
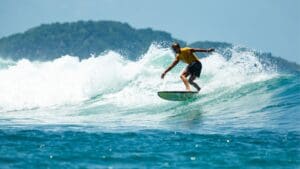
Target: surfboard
x,y
177,95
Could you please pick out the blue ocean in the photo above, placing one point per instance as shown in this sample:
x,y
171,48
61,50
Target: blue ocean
x,y
104,112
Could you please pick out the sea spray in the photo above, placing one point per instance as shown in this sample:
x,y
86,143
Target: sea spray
x,y
113,91
68,80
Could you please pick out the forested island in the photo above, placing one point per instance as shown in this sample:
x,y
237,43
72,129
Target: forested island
x,y
83,38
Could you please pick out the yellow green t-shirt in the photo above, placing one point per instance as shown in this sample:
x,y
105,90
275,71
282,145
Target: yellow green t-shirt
x,y
186,55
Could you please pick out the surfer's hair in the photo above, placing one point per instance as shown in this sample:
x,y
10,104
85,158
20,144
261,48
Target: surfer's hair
x,y
175,44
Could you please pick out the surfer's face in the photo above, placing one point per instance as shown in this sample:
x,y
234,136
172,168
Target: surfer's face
x,y
176,49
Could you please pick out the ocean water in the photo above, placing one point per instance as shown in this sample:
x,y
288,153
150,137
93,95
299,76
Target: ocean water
x,y
104,112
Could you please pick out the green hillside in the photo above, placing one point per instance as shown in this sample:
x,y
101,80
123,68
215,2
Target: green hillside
x,y
82,39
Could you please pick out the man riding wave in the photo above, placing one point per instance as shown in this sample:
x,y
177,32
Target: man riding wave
x,y
193,68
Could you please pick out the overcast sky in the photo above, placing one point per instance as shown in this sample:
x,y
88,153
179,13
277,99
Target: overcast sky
x,y
265,25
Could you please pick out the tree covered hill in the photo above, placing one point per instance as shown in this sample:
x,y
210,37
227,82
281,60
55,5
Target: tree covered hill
x,y
82,39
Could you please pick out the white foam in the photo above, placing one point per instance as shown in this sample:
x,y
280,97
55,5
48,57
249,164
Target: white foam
x,y
242,68
68,80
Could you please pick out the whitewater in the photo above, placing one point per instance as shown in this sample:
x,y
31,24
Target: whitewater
x,y
107,108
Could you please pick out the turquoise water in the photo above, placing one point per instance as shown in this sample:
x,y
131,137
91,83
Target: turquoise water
x,y
103,112
36,148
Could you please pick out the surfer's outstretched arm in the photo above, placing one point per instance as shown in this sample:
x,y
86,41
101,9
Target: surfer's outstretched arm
x,y
202,50
170,67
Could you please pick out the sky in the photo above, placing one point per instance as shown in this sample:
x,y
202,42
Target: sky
x,y
264,25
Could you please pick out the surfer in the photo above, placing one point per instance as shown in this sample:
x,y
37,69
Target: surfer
x,y
193,68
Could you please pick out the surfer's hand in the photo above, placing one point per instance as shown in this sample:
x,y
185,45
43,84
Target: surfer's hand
x,y
163,75
210,50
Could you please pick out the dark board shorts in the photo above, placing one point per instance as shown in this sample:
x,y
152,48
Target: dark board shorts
x,y
194,69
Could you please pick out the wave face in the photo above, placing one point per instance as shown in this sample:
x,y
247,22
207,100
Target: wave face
x,y
109,85
248,109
